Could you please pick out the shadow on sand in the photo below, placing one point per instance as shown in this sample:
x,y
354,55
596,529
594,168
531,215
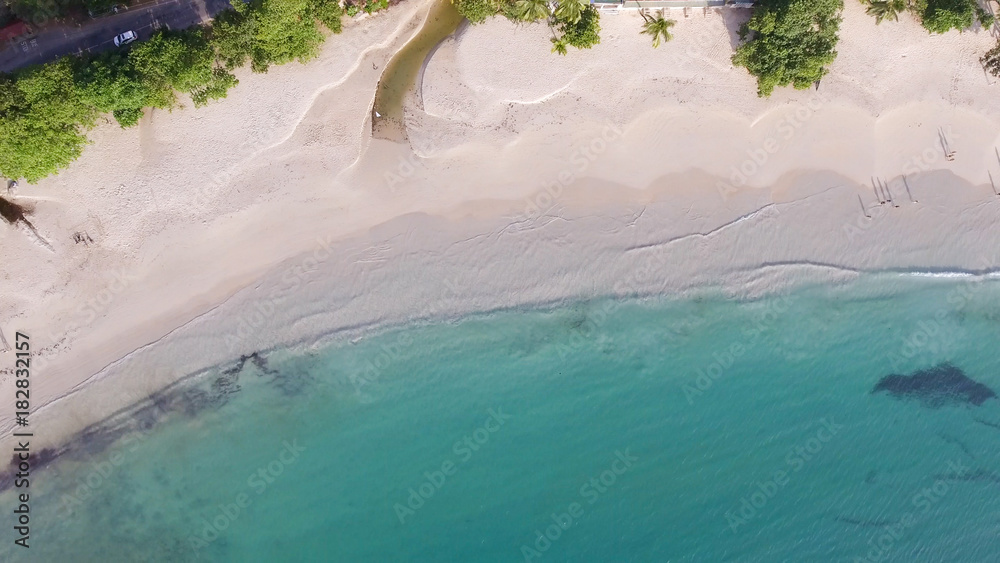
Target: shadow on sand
x,y
734,19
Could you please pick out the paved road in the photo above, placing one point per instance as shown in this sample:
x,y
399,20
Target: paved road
x,y
97,35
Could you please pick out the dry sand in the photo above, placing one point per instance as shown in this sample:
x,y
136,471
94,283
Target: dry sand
x,y
273,219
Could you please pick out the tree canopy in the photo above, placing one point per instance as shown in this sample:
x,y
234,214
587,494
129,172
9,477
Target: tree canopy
x,y
41,116
570,11
45,111
329,13
532,10
941,16
476,11
268,32
585,32
789,42
658,28
111,84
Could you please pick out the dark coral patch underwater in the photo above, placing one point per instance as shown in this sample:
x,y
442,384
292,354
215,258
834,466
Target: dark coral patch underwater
x,y
935,387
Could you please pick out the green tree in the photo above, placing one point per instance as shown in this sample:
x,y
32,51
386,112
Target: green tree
x,y
509,10
184,62
532,10
42,121
216,88
232,36
372,6
267,32
940,16
886,9
585,32
476,11
658,28
110,84
789,42
285,32
329,13
570,11
46,110
127,117
559,45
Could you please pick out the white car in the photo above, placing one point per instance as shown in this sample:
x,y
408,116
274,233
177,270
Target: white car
x,y
125,38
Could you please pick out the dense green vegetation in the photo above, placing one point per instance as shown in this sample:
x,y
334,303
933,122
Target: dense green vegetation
x,y
940,16
41,117
355,7
937,16
789,42
584,33
123,83
46,110
477,11
569,11
531,10
574,23
267,32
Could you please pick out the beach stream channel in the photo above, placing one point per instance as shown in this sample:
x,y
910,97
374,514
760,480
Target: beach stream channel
x,y
400,78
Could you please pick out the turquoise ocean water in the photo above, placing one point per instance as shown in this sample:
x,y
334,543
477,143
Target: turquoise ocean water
x,y
703,429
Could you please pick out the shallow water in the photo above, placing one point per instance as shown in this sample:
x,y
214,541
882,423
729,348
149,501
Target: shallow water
x,y
684,430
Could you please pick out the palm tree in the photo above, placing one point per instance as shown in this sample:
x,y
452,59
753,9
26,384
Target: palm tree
x,y
571,11
532,10
558,45
657,27
886,9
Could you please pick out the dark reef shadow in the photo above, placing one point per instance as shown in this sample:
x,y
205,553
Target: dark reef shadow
x,y
936,387
189,397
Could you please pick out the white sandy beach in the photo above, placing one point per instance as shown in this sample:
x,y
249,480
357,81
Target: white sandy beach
x,y
272,218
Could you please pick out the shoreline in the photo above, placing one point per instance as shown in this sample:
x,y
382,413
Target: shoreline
x,y
137,420
190,395
552,215
248,323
